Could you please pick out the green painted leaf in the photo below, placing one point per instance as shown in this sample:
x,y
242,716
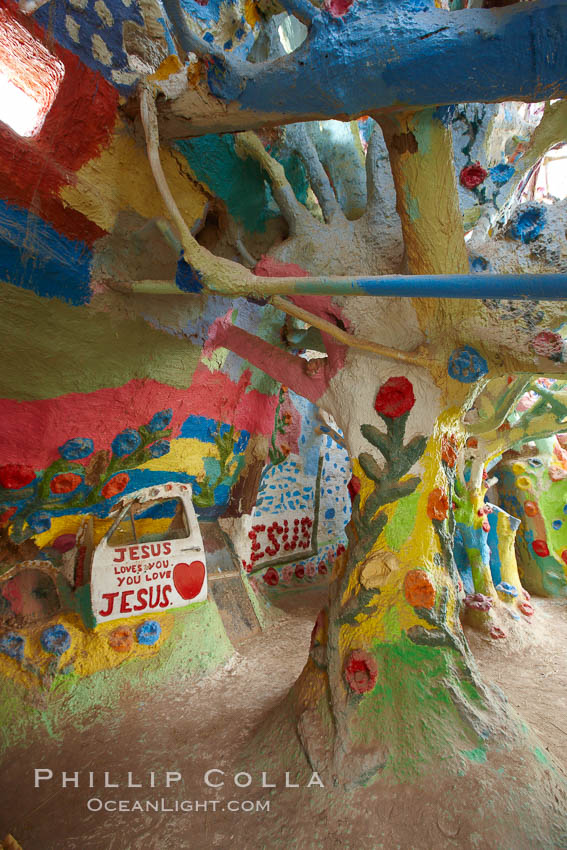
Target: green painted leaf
x,y
378,439
428,637
369,466
404,488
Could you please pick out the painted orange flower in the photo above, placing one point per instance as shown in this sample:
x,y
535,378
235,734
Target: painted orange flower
x,y
121,639
419,589
437,504
449,450
531,508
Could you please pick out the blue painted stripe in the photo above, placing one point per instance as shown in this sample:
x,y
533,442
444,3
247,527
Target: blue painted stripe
x,y
35,256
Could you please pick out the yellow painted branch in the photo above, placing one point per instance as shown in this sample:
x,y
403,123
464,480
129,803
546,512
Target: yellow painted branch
x,y
421,157
416,359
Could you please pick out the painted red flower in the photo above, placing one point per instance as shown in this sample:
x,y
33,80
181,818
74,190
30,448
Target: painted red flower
x,y
527,609
394,398
361,671
548,344
271,577
541,548
353,487
115,485
473,175
65,483
13,476
437,504
299,571
322,568
497,633
564,556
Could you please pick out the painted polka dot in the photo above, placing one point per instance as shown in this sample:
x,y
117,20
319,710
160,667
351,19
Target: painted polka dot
x,y
531,508
523,482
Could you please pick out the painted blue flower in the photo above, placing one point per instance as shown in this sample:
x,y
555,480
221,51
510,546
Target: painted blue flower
x,y
55,639
12,644
126,442
160,448
77,449
241,443
160,420
507,589
466,365
39,522
502,173
556,524
527,223
148,633
478,264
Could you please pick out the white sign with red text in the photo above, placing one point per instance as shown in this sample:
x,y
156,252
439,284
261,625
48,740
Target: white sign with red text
x,y
149,577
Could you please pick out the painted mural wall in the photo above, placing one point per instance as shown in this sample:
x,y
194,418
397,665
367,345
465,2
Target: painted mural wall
x,y
98,403
132,365
296,528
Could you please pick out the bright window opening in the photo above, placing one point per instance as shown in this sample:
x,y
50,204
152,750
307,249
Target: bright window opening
x,y
30,77
548,182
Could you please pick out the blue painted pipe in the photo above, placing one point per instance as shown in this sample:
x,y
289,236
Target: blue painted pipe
x,y
545,287
536,287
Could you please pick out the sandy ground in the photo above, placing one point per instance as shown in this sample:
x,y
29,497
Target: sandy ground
x,y
201,726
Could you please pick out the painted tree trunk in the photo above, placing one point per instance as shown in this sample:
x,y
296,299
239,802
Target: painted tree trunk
x,y
506,529
421,158
389,650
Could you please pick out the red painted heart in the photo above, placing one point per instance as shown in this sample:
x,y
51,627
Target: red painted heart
x,y
188,579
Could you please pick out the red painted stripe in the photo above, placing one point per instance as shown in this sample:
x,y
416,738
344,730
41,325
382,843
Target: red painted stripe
x,y
32,431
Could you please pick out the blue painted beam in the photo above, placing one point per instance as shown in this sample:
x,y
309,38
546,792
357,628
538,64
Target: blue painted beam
x,y
380,57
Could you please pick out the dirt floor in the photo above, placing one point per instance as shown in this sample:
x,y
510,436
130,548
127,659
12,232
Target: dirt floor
x,y
201,726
